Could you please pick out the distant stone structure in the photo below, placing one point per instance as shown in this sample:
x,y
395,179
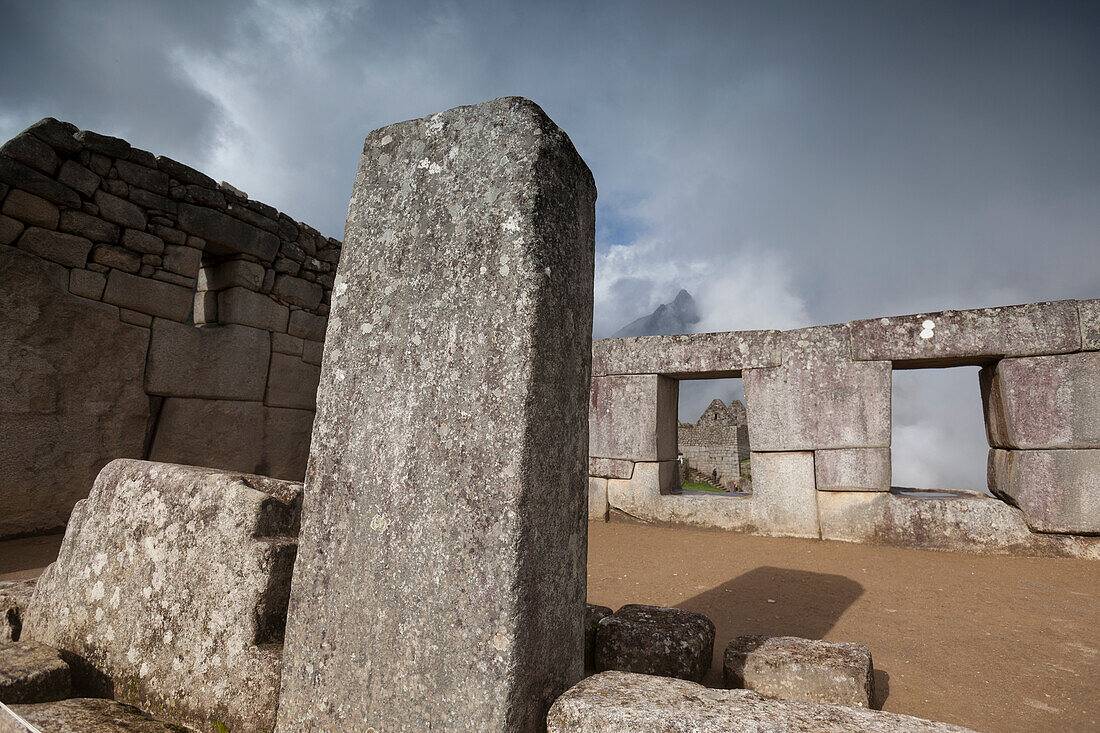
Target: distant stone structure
x,y
716,443
146,312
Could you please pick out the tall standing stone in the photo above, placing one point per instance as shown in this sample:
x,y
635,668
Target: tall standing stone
x,y
440,581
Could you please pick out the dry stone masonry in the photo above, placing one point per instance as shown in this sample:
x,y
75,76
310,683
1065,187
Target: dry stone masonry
x,y
716,444
146,312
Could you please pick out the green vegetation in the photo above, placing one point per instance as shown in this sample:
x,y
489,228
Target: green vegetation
x,y
700,486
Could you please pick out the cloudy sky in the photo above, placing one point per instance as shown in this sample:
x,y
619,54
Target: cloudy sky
x,y
789,164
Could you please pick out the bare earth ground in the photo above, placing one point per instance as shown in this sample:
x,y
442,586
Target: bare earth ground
x,y
998,644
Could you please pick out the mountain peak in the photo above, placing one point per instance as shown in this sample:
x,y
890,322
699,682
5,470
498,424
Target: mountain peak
x,y
668,318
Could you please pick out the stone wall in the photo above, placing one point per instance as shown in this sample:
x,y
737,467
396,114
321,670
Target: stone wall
x,y
146,312
717,442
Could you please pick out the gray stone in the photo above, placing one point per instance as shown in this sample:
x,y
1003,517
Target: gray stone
x,y
819,398
597,499
14,597
593,614
254,218
240,305
184,173
810,670
142,157
114,147
87,284
313,352
184,260
285,443
696,355
148,178
31,209
138,319
1043,402
31,151
79,178
956,338
91,715
469,241
291,383
117,258
152,201
61,136
1089,312
307,326
70,392
286,344
170,235
669,642
1057,490
223,434
94,228
156,298
610,467
297,291
633,417
619,702
225,235
204,197
142,242
171,277
9,229
31,672
232,274
19,176
197,652
99,163
119,211
853,469
205,308
212,362
64,249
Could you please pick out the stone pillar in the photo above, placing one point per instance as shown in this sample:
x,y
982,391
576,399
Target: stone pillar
x,y
633,417
440,583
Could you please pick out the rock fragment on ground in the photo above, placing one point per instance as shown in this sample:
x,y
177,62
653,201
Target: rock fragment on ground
x,y
593,614
669,642
810,670
90,715
14,597
620,702
31,673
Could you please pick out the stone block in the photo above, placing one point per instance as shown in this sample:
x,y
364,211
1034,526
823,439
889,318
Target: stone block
x,y
30,209
687,356
292,383
183,260
184,173
212,362
142,242
84,225
87,284
148,178
117,210
170,277
112,147
145,295
593,614
784,490
10,229
1043,402
807,670
222,434
79,178
307,326
29,150
226,235
170,584
620,702
232,274
853,469
1089,313
819,398
14,597
459,352
285,443
61,136
64,249
633,417
90,715
955,338
240,305
1057,490
610,467
206,307
313,352
117,258
283,343
70,392
597,499
297,291
19,176
138,319
31,672
668,642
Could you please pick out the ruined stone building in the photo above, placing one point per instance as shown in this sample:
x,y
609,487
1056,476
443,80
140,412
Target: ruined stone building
x,y
716,444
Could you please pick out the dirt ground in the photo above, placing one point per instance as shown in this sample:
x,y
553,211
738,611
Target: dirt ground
x,y
997,644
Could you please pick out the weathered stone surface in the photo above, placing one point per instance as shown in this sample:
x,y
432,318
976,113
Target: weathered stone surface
x,y
61,136
212,362
193,651
95,229
283,343
31,672
92,715
143,294
240,305
118,258
14,597
226,235
148,178
610,467
10,229
853,469
30,209
79,178
31,151
142,242
696,355
619,702
312,352
119,211
593,614
184,260
64,249
114,147
819,398
138,319
459,352
22,177
810,670
969,337
597,499
297,291
633,417
285,443
1057,490
184,173
1089,313
965,522
1043,402
292,383
87,284
232,274
222,434
307,326
70,392
669,642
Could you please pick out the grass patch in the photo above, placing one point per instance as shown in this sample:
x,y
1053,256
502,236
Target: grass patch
x,y
700,486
